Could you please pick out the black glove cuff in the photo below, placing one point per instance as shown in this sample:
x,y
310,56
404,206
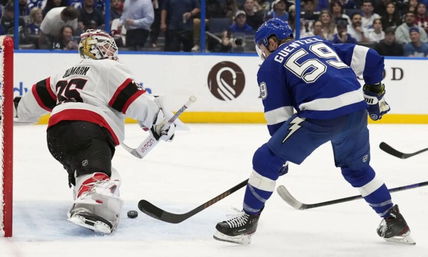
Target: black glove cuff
x,y
378,88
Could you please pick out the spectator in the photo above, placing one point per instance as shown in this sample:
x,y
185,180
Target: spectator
x,y
137,17
90,17
65,40
342,35
116,9
328,25
402,33
231,8
54,20
279,10
391,18
177,23
349,4
240,25
234,38
415,48
411,6
36,18
376,34
421,16
35,4
265,5
33,29
24,10
255,16
308,13
356,30
52,4
337,12
368,15
155,28
316,30
75,3
8,22
388,46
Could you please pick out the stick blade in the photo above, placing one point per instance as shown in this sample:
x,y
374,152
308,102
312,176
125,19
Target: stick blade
x,y
286,196
159,214
387,148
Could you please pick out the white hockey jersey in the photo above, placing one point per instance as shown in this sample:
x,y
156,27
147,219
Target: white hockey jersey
x,y
97,91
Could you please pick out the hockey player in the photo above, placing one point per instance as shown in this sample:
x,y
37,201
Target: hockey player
x,y
88,103
311,96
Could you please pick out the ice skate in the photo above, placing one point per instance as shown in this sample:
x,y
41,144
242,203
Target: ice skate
x,y
97,205
238,229
394,228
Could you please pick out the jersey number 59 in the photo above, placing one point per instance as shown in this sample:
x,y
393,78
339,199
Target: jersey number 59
x,y
311,69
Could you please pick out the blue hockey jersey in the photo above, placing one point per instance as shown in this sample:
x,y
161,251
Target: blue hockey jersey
x,y
316,79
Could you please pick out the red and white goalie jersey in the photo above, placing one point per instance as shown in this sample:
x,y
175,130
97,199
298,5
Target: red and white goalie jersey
x,y
97,91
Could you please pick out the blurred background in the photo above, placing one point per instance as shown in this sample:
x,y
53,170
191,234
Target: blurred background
x,y
392,27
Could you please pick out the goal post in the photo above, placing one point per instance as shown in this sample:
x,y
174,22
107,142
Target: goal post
x,y
6,116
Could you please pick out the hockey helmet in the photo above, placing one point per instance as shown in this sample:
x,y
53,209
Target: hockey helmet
x,y
97,44
273,27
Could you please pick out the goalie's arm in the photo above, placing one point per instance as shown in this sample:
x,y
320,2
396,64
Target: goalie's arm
x,y
40,100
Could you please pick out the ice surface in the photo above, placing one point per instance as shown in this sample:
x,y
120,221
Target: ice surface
x,y
198,165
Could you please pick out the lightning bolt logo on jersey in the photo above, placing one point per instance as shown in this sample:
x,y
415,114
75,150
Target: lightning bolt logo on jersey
x,y
295,125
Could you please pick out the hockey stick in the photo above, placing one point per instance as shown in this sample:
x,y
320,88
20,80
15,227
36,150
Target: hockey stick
x,y
387,148
286,196
150,142
166,216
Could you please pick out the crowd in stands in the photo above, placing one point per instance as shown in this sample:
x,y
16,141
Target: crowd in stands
x,y
392,27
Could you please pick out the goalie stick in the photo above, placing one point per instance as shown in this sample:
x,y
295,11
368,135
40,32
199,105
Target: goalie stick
x,y
157,213
286,196
387,148
150,142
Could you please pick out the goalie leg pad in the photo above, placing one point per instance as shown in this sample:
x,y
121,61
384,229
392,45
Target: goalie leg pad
x,y
97,204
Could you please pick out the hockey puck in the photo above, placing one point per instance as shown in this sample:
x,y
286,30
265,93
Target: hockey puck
x,y
132,214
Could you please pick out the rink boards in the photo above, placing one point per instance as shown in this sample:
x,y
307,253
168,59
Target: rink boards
x,y
225,85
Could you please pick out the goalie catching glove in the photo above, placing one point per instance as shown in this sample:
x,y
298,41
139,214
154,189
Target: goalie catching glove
x,y
161,128
374,96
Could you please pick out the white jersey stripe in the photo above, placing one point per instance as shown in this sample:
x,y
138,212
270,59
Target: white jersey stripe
x,y
278,115
260,182
370,187
358,62
333,103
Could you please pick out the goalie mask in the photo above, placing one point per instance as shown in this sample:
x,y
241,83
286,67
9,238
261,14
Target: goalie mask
x,y
97,44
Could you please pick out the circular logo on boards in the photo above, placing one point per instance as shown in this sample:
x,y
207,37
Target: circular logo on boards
x,y
226,81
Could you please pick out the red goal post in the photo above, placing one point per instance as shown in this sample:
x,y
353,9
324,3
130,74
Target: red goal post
x,y
6,116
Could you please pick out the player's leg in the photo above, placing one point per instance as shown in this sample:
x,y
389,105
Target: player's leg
x,y
289,143
352,153
86,150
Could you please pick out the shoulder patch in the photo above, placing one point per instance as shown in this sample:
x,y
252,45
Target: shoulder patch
x,y
263,90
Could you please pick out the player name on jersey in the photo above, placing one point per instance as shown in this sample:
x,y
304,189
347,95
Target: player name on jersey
x,y
79,70
292,46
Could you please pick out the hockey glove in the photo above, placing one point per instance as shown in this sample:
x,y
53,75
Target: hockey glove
x,y
374,96
161,129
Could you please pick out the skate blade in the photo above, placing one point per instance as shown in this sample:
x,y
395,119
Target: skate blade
x,y
95,225
241,239
404,239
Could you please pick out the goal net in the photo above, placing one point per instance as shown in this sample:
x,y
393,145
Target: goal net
x,y
6,136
